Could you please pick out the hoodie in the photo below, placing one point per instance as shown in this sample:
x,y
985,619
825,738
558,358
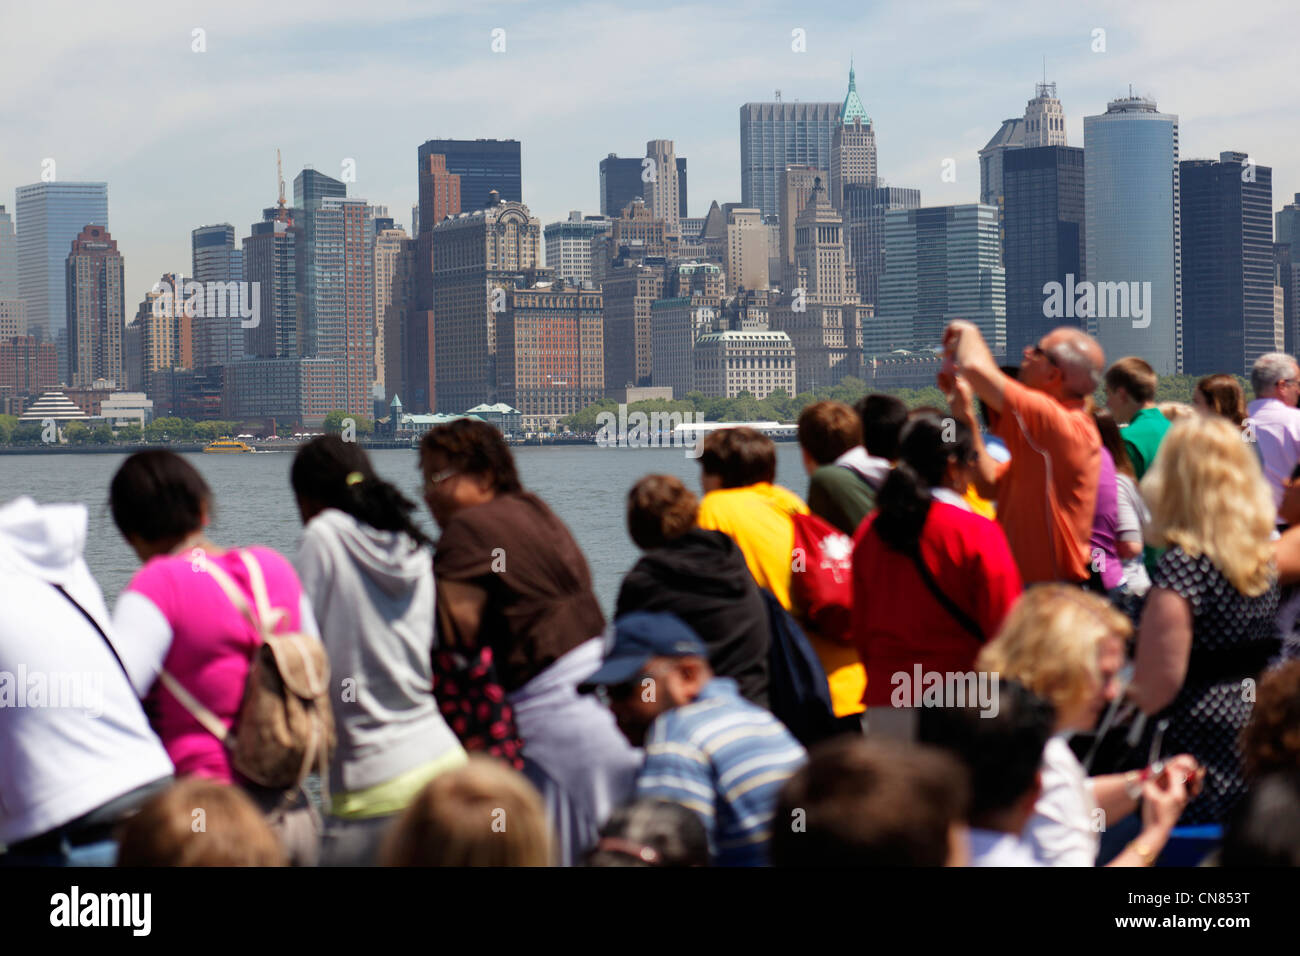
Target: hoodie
x,y
73,736
703,579
373,596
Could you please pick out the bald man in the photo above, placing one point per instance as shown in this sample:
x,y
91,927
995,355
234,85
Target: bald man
x,y
1047,492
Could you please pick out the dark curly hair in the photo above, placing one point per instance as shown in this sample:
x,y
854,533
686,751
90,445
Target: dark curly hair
x,y
1271,740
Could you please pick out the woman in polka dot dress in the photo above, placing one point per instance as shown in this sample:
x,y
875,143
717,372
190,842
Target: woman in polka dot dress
x,y
1208,628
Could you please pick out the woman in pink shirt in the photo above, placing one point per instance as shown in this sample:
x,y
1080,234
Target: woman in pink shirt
x,y
174,616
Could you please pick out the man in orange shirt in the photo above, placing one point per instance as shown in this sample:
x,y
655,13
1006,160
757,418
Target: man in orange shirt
x,y
1047,492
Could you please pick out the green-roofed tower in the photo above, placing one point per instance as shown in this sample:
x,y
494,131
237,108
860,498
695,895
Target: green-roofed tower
x,y
853,147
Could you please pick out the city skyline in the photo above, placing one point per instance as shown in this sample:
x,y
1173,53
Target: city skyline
x,y
914,74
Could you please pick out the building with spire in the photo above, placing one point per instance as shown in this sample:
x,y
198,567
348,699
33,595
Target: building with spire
x,y
1043,124
822,313
853,147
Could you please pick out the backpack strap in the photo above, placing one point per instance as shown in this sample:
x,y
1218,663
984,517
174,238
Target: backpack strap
x,y
949,605
209,721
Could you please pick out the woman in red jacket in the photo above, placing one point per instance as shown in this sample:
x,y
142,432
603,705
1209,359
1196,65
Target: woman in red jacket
x,y
932,580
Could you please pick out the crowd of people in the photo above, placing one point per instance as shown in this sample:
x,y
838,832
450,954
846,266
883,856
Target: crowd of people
x,y
1032,629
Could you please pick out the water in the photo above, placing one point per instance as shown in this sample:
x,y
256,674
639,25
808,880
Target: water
x,y
585,485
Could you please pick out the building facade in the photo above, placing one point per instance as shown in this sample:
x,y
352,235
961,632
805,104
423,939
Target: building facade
x,y
864,222
8,256
942,265
95,306
476,256
218,331
733,361
853,148
1132,231
1228,274
1042,237
630,289
776,135
550,352
483,165
572,246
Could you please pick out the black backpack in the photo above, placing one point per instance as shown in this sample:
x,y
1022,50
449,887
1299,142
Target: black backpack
x,y
797,692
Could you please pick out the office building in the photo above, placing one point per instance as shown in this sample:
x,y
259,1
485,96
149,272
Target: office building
x,y
273,257
482,165
550,352
476,256
864,222
796,186
621,182
572,246
8,256
853,148
1228,273
48,216
1132,231
662,195
1042,237
1286,261
731,361
776,135
394,290
746,250
94,297
942,264
630,289
219,265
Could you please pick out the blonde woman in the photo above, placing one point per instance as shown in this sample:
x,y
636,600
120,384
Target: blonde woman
x,y
1208,624
1067,646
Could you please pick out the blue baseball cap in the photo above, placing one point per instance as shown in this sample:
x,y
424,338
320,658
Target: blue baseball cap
x,y
639,636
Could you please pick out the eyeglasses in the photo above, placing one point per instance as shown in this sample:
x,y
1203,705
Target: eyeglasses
x,y
1042,353
436,479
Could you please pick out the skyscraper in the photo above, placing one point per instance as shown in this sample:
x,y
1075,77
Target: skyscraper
x,y
1132,234
822,314
662,193
864,222
1227,263
746,250
341,259
48,217
8,257
439,192
394,256
93,275
476,257
572,245
1043,236
310,189
482,165
273,259
942,264
1043,124
796,186
853,147
218,334
776,135
621,182
1286,259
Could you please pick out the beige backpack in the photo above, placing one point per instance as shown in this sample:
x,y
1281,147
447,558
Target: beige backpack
x,y
285,722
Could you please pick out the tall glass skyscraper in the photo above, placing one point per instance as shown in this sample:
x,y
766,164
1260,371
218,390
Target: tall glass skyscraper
x,y
1133,237
864,219
310,189
49,216
1228,263
8,256
1043,236
482,165
776,135
941,264
218,339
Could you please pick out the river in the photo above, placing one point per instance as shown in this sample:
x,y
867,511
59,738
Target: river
x,y
585,485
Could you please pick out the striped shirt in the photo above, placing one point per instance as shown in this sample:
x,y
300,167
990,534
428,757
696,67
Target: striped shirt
x,y
725,759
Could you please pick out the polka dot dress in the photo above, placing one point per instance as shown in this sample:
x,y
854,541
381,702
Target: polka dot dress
x,y
1233,638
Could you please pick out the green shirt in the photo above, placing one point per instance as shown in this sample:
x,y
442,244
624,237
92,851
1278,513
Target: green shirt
x,y
841,497
1142,437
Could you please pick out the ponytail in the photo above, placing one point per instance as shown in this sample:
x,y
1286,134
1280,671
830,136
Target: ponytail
x,y
927,443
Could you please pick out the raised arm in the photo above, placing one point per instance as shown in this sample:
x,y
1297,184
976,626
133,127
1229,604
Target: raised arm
x,y
965,346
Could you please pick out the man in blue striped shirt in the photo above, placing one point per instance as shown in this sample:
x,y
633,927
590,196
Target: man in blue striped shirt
x,y
707,748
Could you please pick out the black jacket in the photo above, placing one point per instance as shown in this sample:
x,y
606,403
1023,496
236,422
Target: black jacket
x,y
703,579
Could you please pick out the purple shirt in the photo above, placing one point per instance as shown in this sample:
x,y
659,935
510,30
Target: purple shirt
x,y
1276,428
1105,521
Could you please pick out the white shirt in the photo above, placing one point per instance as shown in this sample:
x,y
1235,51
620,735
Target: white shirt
x,y
995,848
1065,829
1276,428
87,740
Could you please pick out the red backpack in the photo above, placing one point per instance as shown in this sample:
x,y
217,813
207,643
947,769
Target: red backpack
x,y
821,579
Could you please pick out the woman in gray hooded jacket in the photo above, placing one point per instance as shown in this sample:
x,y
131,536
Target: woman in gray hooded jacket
x,y
368,571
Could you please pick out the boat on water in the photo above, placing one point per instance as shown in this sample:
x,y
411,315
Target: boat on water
x,y
227,446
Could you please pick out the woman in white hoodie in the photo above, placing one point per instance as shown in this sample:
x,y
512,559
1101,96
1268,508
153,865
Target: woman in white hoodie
x,y
368,572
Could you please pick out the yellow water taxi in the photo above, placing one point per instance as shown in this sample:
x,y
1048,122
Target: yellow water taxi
x,y
227,446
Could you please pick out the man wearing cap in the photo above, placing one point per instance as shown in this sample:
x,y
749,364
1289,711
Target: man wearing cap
x,y
707,748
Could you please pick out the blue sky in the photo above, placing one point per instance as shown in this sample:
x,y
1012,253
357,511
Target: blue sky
x,y
115,92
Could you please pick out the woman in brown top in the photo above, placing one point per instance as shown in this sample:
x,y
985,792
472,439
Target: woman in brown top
x,y
511,577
